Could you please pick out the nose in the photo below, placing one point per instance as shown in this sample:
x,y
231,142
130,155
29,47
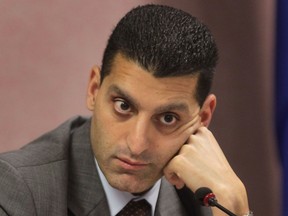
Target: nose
x,y
138,136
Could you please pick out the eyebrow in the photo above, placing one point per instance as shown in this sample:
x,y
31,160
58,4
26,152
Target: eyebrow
x,y
180,106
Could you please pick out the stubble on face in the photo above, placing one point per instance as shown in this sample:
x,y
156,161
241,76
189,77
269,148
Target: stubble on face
x,y
108,153
109,135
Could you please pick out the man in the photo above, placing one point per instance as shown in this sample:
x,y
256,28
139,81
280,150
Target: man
x,y
151,106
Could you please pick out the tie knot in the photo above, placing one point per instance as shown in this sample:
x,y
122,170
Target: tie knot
x,y
136,208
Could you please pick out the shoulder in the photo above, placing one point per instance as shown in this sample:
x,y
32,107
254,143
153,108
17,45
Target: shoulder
x,y
37,173
51,147
14,190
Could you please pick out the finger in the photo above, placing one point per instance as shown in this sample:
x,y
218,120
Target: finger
x,y
191,127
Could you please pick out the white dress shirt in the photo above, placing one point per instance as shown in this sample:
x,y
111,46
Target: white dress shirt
x,y
118,199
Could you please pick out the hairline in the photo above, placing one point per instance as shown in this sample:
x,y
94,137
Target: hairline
x,y
195,74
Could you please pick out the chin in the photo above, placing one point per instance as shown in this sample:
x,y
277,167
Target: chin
x,y
132,188
130,185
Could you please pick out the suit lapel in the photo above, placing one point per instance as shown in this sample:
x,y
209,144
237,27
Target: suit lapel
x,y
168,202
85,192
178,202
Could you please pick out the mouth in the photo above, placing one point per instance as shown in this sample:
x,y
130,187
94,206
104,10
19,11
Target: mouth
x,y
131,165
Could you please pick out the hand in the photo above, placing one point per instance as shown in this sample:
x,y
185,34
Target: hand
x,y
201,163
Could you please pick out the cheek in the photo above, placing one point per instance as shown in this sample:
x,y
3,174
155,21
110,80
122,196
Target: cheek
x,y
100,134
105,135
105,118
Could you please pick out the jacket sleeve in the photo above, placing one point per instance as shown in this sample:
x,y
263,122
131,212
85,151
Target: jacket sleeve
x,y
15,196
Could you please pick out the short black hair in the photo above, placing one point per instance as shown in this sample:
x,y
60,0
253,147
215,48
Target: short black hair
x,y
166,42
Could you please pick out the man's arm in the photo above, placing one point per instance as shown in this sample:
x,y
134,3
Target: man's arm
x,y
201,163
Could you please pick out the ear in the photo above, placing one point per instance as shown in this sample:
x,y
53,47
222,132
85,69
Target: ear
x,y
93,87
207,110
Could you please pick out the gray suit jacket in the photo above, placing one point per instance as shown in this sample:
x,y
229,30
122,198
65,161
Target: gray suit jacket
x,y
55,175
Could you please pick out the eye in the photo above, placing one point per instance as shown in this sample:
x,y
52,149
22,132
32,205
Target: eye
x,y
168,119
121,106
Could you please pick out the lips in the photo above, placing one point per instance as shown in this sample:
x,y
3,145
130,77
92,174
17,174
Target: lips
x,y
129,164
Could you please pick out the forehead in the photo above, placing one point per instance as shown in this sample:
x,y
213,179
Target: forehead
x,y
129,77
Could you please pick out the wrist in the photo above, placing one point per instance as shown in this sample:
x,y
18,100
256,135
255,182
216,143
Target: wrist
x,y
235,199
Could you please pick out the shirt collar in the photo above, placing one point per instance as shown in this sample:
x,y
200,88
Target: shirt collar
x,y
118,199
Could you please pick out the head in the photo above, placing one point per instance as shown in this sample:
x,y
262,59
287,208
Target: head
x,y
150,95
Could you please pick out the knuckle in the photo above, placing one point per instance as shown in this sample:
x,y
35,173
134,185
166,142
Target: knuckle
x,y
178,159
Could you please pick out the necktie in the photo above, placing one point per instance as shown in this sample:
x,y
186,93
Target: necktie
x,y
136,208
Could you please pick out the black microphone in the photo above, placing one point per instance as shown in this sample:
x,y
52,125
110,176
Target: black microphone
x,y
208,198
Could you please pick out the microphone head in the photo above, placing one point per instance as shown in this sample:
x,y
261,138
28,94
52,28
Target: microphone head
x,y
203,195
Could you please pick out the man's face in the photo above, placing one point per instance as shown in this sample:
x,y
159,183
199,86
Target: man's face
x,y
139,123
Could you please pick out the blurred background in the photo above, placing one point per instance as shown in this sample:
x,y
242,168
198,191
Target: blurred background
x,y
48,47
